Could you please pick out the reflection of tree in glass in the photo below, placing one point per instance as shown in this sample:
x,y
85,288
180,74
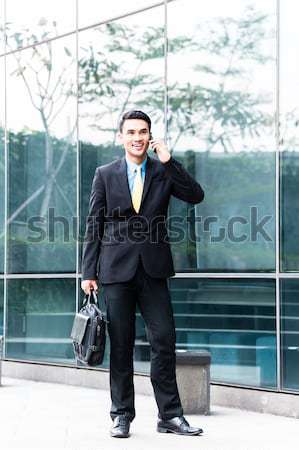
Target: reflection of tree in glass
x,y
288,130
221,107
49,90
115,74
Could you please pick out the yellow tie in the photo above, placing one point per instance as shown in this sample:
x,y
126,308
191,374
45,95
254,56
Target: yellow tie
x,y
137,190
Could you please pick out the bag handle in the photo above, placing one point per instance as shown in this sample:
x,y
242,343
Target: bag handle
x,y
86,301
87,298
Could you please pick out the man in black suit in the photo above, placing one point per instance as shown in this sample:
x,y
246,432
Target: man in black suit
x,y
126,247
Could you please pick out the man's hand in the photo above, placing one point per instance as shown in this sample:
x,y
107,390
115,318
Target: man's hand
x,y
161,149
87,285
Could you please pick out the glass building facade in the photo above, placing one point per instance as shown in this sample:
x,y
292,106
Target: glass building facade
x,y
219,80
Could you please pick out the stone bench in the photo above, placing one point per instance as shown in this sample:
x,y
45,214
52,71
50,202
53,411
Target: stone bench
x,y
193,379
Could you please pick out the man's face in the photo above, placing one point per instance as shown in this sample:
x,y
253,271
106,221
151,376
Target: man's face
x,y
135,138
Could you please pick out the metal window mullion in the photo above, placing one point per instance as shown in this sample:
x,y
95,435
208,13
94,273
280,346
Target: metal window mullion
x,y
5,191
77,158
22,276
277,200
165,72
165,84
266,275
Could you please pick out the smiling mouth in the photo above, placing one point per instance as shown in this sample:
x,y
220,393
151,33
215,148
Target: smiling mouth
x,y
137,147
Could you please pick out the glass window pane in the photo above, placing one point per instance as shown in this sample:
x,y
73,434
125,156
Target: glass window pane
x,y
40,317
91,12
116,77
42,158
234,319
221,106
289,135
290,333
30,22
2,171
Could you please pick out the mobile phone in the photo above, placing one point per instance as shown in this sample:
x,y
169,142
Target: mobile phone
x,y
151,138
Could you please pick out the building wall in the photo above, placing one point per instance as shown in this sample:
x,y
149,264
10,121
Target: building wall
x,y
219,81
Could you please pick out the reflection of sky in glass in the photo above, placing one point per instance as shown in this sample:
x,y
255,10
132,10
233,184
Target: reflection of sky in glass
x,y
289,62
29,13
1,27
94,11
289,75
62,118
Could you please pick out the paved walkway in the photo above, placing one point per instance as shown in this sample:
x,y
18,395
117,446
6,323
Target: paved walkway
x,y
38,415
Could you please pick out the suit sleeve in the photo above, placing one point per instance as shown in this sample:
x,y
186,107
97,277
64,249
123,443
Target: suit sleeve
x,y
184,186
94,228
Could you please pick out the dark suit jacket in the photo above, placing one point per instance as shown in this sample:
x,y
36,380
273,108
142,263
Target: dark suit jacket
x,y
116,235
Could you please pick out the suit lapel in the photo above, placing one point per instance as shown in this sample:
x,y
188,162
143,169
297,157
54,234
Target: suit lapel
x,y
124,184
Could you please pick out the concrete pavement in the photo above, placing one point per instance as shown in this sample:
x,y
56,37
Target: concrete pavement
x,y
39,415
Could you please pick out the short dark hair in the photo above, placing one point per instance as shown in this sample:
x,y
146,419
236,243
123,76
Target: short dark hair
x,y
135,114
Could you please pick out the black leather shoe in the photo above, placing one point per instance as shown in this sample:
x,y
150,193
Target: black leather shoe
x,y
120,427
178,425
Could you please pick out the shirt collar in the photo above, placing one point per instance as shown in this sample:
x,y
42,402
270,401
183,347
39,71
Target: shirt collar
x,y
132,166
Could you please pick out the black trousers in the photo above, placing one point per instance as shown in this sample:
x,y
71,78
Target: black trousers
x,y
153,298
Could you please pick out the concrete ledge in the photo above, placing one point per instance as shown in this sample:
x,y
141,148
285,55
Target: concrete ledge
x,y
75,376
277,403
